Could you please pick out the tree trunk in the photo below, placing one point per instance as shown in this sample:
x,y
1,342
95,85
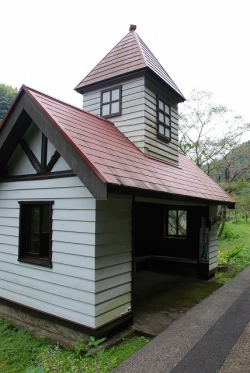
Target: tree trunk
x,y
223,221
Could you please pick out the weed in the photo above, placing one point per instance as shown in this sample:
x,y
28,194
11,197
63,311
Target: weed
x,y
93,347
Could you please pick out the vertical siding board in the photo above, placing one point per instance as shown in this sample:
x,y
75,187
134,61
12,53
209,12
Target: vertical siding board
x,y
68,288
213,249
113,259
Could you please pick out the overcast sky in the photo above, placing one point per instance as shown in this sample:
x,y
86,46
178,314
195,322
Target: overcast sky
x,y
51,45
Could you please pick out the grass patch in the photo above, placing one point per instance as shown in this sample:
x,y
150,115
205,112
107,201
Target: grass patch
x,y
233,250
18,349
236,235
22,353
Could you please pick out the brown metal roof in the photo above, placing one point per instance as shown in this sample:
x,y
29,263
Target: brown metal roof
x,y
130,55
117,161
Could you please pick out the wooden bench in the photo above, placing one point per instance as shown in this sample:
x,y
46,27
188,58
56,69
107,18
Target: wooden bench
x,y
150,258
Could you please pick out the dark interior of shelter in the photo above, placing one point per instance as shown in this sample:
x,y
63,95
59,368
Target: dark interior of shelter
x,y
157,250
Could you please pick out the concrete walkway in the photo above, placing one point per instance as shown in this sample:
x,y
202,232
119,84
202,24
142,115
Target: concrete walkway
x,y
213,336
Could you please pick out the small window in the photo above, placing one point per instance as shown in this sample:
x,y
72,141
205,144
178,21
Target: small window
x,y
35,232
176,223
164,119
111,102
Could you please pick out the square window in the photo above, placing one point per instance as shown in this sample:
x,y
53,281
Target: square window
x,y
115,94
106,97
35,232
176,223
106,109
164,119
114,107
111,102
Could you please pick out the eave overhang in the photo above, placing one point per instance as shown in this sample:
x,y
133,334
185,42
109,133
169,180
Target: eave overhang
x,y
136,192
130,75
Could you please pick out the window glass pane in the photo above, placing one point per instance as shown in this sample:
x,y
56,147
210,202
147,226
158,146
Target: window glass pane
x,y
161,117
167,133
115,94
161,105
106,97
115,107
167,109
182,223
167,121
34,231
172,218
105,109
44,248
161,129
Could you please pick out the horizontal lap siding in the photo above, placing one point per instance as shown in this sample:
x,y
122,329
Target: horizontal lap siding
x,y
131,121
167,151
68,288
113,259
213,249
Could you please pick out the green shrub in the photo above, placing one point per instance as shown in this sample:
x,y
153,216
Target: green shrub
x,y
236,260
228,235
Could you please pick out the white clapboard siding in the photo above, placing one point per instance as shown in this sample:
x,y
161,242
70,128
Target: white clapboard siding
x,y
131,122
138,119
19,163
68,288
113,259
154,146
213,249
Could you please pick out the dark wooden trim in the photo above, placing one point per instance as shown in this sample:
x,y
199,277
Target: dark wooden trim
x,y
26,110
105,330
44,151
23,256
62,144
159,135
32,158
133,259
129,75
49,175
116,189
52,161
110,89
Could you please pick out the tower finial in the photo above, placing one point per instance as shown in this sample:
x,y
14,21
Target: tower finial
x,y
132,28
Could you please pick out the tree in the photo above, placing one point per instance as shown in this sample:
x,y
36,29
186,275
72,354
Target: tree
x,y
7,95
208,132
208,135
233,170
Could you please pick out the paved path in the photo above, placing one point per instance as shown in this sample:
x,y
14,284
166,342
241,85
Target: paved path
x,y
212,337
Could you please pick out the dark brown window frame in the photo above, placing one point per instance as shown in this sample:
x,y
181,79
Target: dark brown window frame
x,y
159,122
112,101
23,256
166,223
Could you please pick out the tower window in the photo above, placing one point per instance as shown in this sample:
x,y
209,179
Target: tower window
x,y
164,119
111,102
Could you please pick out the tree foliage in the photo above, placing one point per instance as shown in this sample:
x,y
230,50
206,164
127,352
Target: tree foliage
x,y
7,95
208,132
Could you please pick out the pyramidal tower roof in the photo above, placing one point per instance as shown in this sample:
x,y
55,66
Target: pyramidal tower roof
x,y
130,55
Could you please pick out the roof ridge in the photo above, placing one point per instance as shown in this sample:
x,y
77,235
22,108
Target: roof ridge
x,y
137,37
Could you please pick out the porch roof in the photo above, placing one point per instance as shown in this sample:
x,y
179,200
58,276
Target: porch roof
x,y
115,160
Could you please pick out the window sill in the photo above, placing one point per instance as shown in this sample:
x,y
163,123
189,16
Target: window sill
x,y
176,237
39,262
